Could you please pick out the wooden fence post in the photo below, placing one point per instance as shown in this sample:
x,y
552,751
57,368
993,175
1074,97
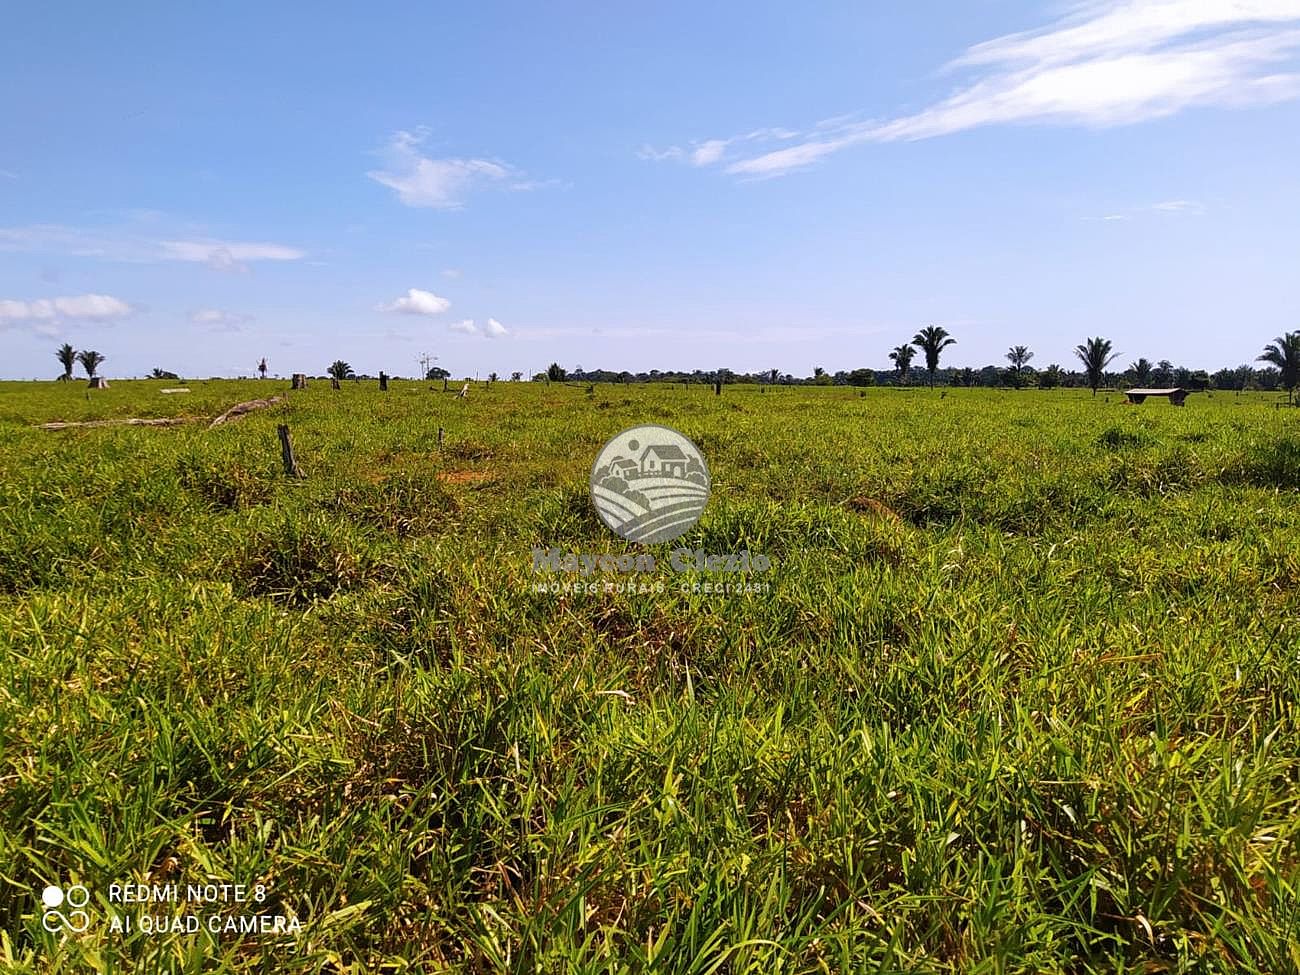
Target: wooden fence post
x,y
383,381
286,451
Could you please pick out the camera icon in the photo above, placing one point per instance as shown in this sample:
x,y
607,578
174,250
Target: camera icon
x,y
55,920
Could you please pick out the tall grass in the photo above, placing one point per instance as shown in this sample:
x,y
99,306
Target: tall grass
x,y
1021,698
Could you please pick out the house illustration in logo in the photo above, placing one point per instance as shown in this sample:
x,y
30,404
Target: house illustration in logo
x,y
663,460
650,484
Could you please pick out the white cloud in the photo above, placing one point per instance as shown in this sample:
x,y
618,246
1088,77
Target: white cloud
x,y
418,302
442,184
451,273
1181,206
224,255
46,311
125,245
1189,207
219,320
1110,62
466,327
708,152
495,329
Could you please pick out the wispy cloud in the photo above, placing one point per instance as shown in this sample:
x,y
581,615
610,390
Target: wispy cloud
x,y
132,247
417,302
219,320
492,330
40,313
708,152
1108,63
442,184
1193,208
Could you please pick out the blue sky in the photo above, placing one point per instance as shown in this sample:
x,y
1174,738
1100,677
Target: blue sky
x,y
671,185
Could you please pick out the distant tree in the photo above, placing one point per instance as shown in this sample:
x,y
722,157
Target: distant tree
x,y
437,372
516,376
1163,374
966,377
67,357
820,378
1050,377
773,376
261,368
932,340
1284,353
340,370
862,377
90,361
1096,355
1019,356
554,373
163,374
902,357
1141,371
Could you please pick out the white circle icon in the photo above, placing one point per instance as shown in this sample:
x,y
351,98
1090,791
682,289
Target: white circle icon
x,y
650,484
52,896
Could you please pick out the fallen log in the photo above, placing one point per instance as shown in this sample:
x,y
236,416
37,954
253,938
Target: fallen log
x,y
239,409
166,421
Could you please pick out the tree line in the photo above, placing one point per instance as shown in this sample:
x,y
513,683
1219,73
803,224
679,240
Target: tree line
x,y
1095,357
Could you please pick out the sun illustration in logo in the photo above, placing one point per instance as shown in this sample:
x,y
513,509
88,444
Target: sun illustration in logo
x,y
650,484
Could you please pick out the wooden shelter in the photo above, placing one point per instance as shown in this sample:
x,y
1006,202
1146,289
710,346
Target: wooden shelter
x,y
1175,394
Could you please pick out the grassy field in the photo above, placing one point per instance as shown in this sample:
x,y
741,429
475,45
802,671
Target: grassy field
x,y
1021,697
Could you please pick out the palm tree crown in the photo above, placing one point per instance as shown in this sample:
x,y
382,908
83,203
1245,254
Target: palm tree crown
x,y
1284,352
90,361
1018,356
340,370
902,357
1096,355
67,357
932,340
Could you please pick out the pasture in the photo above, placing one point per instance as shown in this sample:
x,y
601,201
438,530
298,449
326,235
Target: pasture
x,y
1021,697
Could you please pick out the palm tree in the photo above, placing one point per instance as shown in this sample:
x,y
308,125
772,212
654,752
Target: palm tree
x,y
1018,355
340,370
1050,377
261,368
1284,352
932,340
67,357
90,361
902,357
1142,371
1095,354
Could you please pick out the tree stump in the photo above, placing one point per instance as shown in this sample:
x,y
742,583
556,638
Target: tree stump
x,y
299,380
383,382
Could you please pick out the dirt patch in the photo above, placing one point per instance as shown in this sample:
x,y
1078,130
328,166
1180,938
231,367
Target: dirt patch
x,y
873,506
464,477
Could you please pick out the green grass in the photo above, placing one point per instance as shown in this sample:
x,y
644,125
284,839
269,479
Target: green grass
x,y
1022,697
